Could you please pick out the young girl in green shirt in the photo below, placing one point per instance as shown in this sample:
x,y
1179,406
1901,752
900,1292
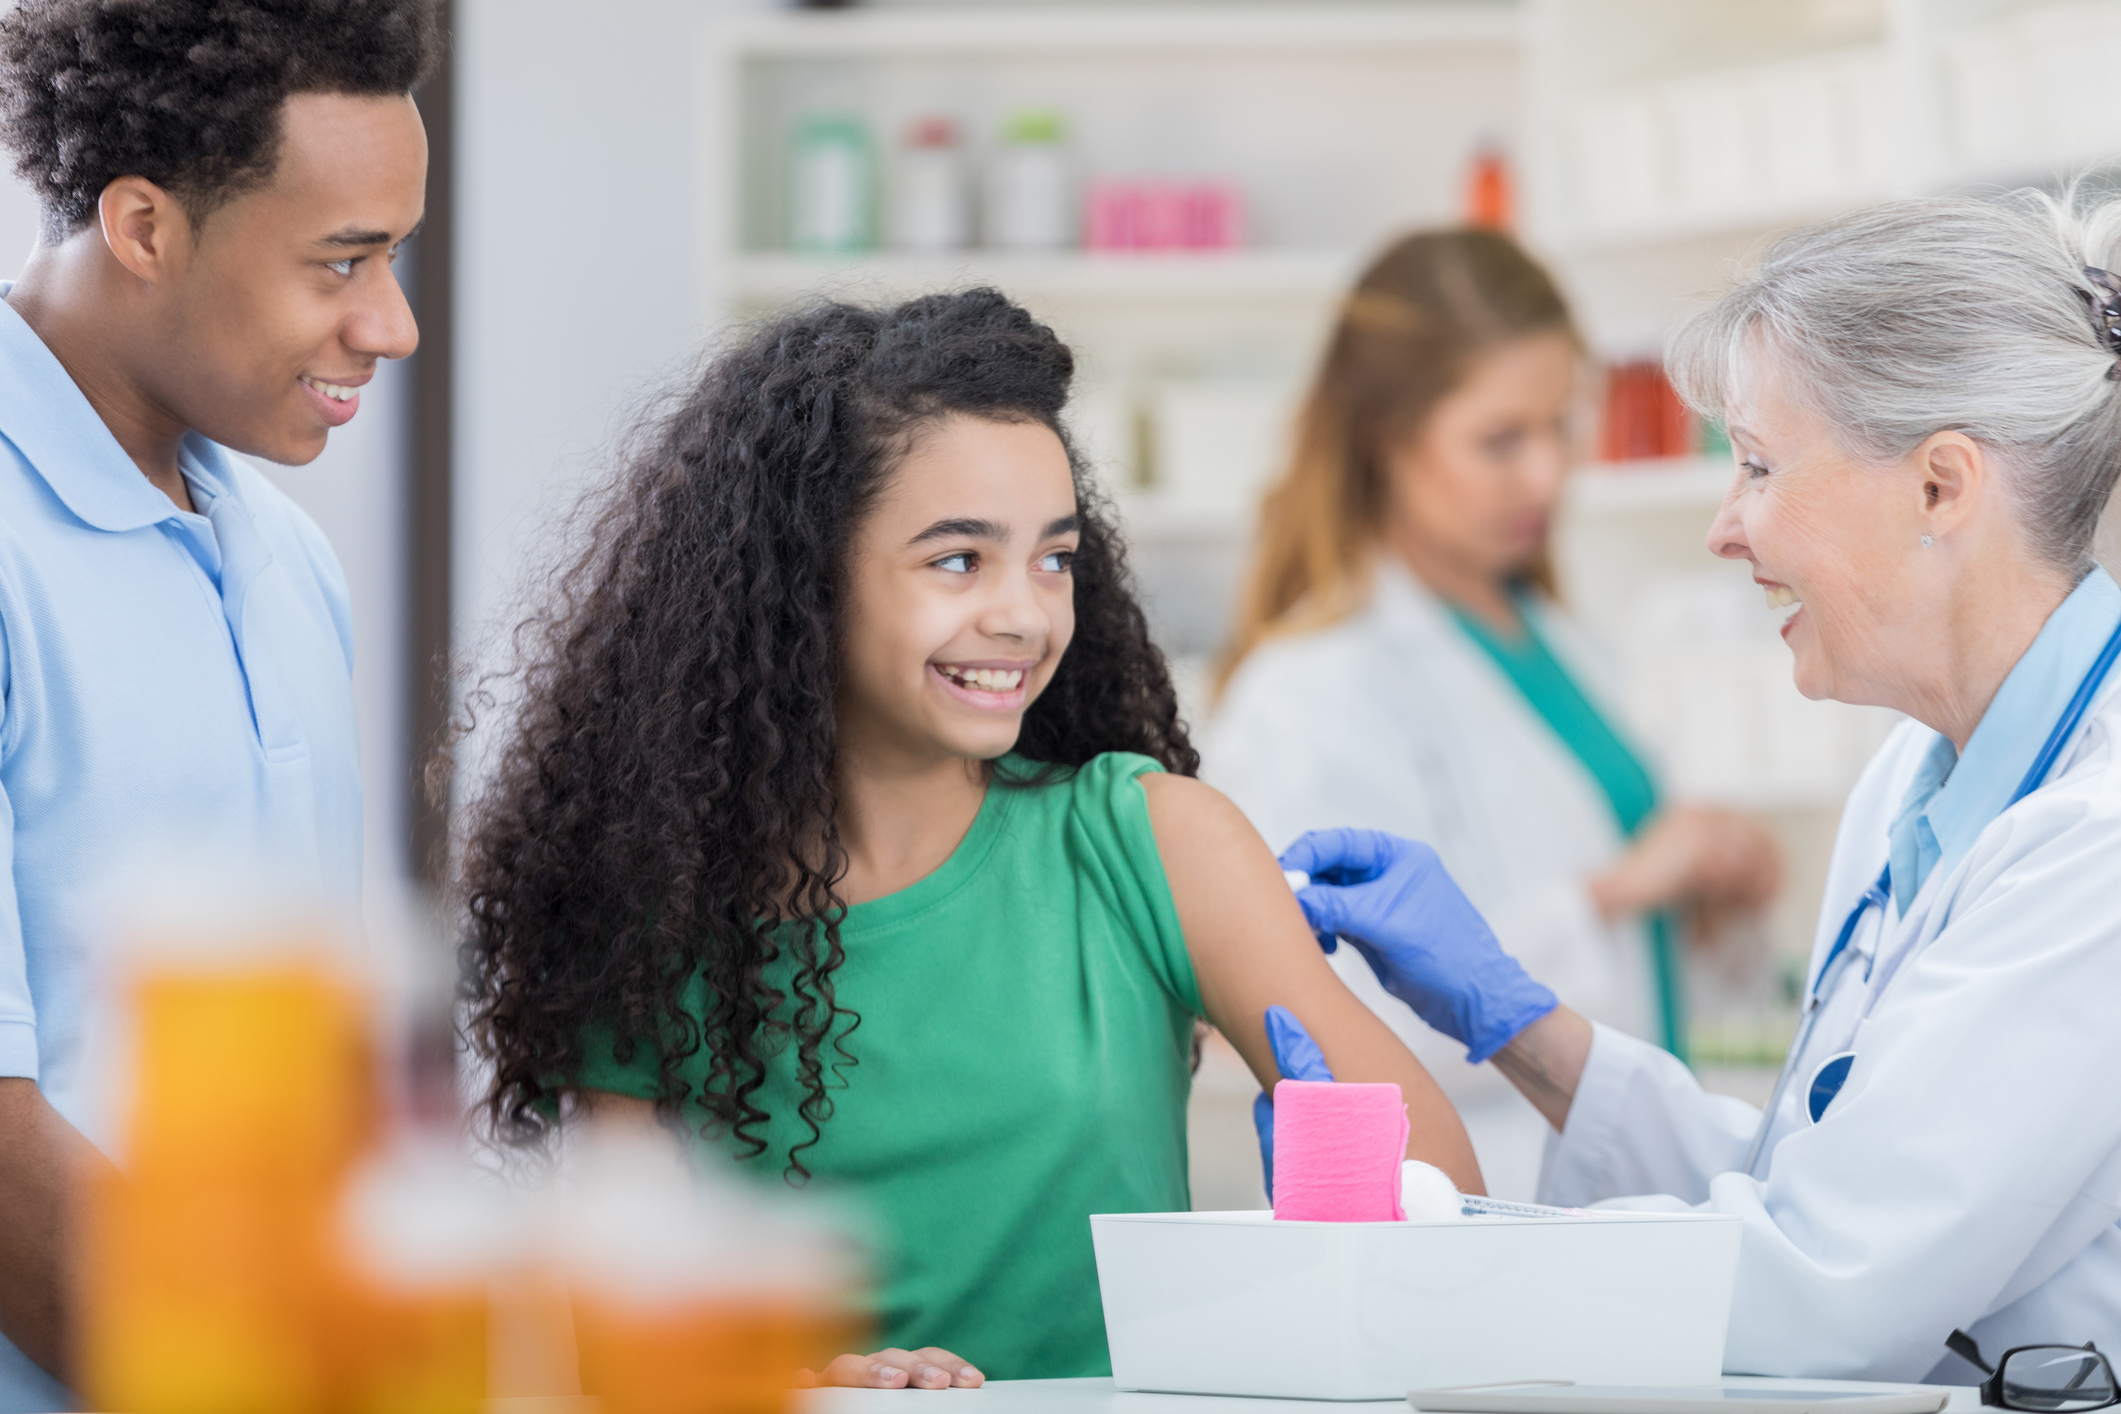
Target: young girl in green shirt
x,y
846,826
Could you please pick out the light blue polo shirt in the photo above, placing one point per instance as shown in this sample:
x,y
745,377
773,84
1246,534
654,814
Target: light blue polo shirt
x,y
169,681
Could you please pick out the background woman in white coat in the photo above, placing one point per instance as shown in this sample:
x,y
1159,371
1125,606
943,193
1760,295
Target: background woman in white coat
x,y
1400,662
1926,411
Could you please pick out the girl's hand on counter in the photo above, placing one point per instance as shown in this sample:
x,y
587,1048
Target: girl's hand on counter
x,y
928,1368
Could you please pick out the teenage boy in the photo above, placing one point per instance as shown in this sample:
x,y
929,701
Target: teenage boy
x,y
224,184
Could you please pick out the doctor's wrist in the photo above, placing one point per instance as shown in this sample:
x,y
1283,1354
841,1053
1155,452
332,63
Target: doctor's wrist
x,y
1545,1062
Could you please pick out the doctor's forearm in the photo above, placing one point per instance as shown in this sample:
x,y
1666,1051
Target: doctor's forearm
x,y
1545,1062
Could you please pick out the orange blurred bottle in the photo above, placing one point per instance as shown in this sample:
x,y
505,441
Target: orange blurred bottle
x,y
418,1236
695,1299
251,1092
1491,201
1644,418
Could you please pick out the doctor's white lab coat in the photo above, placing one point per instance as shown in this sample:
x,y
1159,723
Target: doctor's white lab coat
x,y
1968,1174
1394,719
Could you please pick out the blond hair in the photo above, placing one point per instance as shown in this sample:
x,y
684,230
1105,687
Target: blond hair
x,y
1416,322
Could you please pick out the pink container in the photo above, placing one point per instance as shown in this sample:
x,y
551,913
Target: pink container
x,y
1163,215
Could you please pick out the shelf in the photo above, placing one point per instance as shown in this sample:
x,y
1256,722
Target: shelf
x,y
1115,29
1149,518
758,279
1678,483
1650,228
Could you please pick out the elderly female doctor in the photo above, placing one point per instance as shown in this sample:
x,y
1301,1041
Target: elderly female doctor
x,y
1927,422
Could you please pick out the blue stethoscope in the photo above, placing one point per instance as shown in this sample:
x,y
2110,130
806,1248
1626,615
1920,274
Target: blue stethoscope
x,y
1833,1072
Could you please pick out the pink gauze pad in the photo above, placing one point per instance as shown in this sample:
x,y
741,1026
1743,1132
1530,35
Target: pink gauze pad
x,y
1337,1151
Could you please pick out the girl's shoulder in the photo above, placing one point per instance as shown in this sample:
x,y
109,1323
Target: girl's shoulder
x,y
1091,823
1101,792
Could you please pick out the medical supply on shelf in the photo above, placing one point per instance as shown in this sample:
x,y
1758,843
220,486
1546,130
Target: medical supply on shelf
x,y
1427,1195
832,186
1491,194
1644,418
1337,1151
1723,145
1163,215
1244,1304
931,197
1030,197
1215,443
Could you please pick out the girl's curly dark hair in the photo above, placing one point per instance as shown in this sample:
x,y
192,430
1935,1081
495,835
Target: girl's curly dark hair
x,y
664,801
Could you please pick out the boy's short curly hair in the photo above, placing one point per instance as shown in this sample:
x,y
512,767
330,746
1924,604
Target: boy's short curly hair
x,y
186,93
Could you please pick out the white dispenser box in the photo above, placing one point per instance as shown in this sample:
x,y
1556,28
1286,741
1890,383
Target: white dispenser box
x,y
1237,1303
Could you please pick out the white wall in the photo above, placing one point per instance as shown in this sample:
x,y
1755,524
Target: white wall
x,y
578,284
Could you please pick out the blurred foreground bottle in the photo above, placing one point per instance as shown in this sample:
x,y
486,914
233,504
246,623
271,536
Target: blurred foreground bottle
x,y
207,1272
693,1294
418,1237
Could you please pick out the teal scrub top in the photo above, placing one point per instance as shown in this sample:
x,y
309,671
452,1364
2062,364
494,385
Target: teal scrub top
x,y
1561,704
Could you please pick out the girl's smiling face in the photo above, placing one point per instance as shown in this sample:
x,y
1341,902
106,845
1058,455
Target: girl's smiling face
x,y
960,599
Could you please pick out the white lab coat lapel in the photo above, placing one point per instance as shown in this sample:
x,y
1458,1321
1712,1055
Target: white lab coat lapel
x,y
1394,719
1493,735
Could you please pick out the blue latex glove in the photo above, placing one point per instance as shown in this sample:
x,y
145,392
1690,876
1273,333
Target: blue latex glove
x,y
1297,1057
1429,947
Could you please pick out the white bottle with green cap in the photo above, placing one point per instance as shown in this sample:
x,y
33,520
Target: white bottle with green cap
x,y
1030,198
832,186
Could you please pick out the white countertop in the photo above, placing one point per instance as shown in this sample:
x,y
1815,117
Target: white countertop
x,y
1099,1397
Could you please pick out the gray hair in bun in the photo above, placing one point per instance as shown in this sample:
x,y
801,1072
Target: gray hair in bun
x,y
1949,313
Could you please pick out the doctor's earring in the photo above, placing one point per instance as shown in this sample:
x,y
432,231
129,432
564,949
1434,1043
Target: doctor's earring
x,y
1928,540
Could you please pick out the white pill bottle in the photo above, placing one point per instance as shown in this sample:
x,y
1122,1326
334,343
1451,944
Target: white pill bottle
x,y
1030,197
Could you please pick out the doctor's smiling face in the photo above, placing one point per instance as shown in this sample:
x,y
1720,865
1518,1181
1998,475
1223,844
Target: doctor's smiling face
x,y
959,596
1837,544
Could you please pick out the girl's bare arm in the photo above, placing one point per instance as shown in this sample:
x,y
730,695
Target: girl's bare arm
x,y
1251,949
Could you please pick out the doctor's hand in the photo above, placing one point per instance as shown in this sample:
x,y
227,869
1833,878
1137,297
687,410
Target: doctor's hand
x,y
1715,862
1427,944
927,1368
1297,1057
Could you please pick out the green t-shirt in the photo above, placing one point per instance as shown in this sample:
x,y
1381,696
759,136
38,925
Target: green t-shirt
x,y
1023,1061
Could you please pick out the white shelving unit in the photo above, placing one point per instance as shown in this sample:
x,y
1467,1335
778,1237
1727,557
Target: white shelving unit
x,y
771,278
1344,124
1690,484
1102,31
1666,140
1658,144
